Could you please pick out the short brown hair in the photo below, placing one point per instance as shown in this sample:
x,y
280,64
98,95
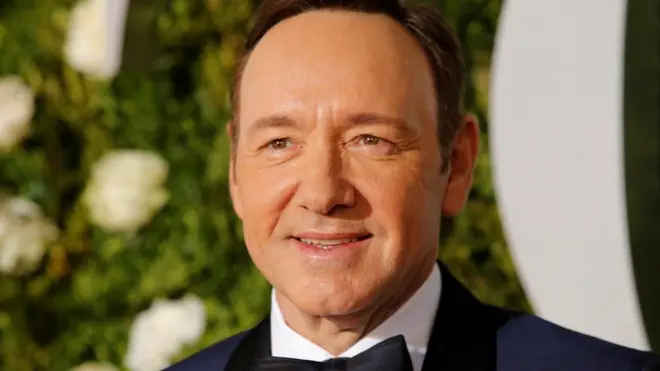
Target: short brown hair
x,y
428,27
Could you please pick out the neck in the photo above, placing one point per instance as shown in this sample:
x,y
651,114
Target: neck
x,y
336,334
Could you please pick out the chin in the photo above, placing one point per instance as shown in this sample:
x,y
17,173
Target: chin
x,y
323,306
332,299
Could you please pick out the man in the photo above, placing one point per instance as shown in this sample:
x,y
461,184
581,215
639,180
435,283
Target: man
x,y
348,146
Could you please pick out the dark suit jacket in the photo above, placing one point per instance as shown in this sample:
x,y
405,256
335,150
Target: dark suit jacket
x,y
467,336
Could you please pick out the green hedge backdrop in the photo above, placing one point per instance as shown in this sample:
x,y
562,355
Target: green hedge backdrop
x,y
80,302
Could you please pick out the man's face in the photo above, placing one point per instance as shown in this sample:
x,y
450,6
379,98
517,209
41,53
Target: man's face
x,y
336,174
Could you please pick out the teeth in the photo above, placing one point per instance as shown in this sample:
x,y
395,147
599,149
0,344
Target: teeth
x,y
327,243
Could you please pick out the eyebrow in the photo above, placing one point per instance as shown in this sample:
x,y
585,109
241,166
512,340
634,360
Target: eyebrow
x,y
371,118
359,119
276,121
366,119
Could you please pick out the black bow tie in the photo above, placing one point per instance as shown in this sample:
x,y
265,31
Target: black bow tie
x,y
389,355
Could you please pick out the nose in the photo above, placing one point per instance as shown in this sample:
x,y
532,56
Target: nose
x,y
323,188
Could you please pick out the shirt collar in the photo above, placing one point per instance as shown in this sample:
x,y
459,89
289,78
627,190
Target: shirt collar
x,y
414,320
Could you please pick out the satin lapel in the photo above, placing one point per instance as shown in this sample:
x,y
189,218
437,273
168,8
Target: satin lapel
x,y
464,335
255,345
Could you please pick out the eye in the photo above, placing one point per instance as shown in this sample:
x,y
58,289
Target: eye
x,y
370,140
374,145
279,144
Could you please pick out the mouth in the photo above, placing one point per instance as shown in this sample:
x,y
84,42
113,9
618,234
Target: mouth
x,y
329,243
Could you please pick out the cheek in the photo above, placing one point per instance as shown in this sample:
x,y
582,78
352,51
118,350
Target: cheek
x,y
405,200
265,194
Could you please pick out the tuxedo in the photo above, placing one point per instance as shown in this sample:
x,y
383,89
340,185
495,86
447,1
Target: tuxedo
x,y
465,335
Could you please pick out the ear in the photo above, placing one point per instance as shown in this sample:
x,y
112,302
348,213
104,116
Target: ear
x,y
463,158
233,185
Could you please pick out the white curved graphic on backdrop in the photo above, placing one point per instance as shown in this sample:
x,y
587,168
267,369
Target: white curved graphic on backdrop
x,y
557,139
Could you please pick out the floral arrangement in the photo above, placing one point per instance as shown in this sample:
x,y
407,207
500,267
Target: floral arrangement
x,y
118,246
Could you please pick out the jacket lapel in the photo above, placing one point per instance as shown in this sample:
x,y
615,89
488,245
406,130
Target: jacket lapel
x,y
464,335
255,345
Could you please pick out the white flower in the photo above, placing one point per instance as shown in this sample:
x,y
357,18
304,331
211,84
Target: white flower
x,y
126,190
92,366
95,37
161,331
16,111
24,234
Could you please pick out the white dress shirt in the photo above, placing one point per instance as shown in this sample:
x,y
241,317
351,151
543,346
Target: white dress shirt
x,y
414,320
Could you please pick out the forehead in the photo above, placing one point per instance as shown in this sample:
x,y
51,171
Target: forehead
x,y
345,60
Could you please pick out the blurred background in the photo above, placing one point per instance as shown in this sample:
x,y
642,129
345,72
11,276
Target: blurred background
x,y
119,248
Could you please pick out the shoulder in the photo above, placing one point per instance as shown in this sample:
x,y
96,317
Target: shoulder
x,y
527,342
214,357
